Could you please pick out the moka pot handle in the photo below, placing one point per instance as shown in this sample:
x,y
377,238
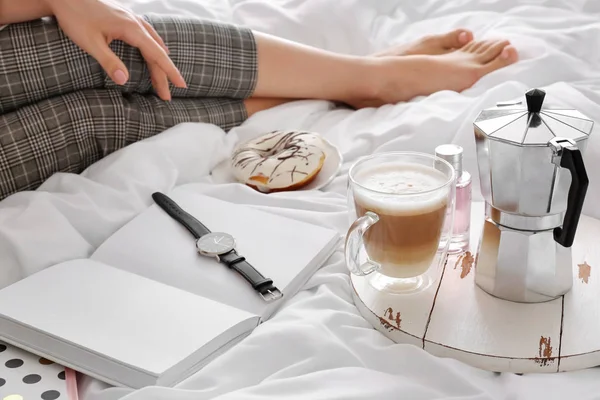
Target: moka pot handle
x,y
570,158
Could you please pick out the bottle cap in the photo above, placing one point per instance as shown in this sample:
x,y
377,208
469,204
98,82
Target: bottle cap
x,y
451,153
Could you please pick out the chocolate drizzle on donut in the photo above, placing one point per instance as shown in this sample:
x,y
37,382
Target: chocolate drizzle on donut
x,y
293,171
279,156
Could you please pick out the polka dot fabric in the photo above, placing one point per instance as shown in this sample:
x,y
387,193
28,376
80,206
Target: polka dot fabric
x,y
25,376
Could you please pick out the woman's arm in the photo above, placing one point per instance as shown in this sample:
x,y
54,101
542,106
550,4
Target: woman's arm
x,y
93,25
13,11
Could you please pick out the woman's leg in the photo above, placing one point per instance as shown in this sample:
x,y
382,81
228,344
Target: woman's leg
x,y
257,104
39,61
292,70
70,132
222,60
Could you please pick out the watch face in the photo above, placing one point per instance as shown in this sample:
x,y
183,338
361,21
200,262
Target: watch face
x,y
215,243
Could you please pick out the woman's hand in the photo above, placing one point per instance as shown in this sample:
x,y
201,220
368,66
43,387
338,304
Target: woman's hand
x,y
94,24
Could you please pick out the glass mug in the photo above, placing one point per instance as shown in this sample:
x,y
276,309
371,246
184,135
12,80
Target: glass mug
x,y
401,209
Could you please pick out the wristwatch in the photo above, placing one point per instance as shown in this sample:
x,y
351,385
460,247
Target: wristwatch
x,y
220,246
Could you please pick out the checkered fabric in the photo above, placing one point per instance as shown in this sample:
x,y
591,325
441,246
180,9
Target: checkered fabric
x,y
59,112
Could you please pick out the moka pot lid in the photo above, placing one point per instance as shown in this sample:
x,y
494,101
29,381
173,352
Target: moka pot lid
x,y
532,124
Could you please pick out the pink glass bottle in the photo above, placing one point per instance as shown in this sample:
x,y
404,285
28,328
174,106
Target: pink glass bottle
x,y
459,241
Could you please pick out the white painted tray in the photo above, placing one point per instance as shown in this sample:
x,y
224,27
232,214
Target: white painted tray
x,y
455,318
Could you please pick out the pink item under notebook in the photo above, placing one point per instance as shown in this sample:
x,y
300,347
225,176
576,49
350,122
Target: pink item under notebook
x,y
25,376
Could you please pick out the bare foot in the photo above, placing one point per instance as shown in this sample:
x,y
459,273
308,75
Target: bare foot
x,y
431,45
396,79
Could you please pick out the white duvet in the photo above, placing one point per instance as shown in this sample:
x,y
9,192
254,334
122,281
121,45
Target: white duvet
x,y
318,346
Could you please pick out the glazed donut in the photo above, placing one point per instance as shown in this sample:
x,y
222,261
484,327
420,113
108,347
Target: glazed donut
x,y
279,160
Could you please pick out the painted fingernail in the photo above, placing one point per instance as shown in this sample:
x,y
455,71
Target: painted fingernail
x,y
183,83
120,77
463,37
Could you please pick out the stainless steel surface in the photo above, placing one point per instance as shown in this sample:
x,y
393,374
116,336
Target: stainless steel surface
x,y
523,222
271,295
558,145
508,103
519,146
521,179
515,156
453,154
522,266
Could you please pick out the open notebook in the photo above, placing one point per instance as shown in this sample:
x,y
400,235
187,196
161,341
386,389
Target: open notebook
x,y
146,308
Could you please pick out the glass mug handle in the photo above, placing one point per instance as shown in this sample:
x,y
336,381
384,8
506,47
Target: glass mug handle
x,y
354,243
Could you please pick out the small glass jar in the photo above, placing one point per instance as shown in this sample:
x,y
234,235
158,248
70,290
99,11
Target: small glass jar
x,y
459,239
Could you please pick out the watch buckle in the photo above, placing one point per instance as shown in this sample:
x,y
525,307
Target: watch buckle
x,y
271,294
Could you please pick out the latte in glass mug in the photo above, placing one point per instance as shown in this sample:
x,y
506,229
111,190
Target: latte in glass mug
x,y
406,237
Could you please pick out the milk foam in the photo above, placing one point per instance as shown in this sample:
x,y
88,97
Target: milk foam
x,y
390,178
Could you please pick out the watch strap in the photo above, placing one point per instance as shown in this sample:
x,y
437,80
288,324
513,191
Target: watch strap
x,y
263,285
194,226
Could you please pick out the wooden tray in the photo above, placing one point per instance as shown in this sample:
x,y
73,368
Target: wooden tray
x,y
455,318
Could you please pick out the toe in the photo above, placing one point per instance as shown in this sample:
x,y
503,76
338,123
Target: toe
x,y
491,50
508,55
482,46
456,38
474,46
491,43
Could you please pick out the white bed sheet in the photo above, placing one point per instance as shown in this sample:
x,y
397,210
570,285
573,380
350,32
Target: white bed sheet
x,y
318,346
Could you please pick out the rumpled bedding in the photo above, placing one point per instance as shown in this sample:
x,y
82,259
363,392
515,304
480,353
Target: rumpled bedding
x,y
318,346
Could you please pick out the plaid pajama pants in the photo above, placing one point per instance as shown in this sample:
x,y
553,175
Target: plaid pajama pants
x,y
59,111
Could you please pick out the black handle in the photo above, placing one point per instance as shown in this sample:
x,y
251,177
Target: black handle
x,y
573,161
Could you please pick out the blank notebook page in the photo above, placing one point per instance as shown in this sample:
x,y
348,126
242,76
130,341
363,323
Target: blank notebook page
x,y
156,246
120,315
